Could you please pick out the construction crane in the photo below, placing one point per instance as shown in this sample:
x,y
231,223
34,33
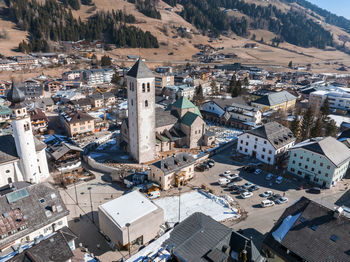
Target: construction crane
x,y
103,98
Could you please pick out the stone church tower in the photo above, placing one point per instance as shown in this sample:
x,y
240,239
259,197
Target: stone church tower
x,y
141,112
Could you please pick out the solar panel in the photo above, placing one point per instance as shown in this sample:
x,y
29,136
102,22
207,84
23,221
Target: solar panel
x,y
17,195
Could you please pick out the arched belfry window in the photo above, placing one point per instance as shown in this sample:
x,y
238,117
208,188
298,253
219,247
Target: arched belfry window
x,y
148,87
143,88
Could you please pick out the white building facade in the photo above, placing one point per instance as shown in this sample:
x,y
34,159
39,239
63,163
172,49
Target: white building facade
x,y
266,143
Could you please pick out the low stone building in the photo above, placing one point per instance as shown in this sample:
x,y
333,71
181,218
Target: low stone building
x,y
172,171
131,219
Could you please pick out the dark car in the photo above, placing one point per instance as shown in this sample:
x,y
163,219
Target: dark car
x,y
237,179
315,190
202,167
254,188
275,197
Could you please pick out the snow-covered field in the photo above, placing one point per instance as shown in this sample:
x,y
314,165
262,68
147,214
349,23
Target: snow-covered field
x,y
196,201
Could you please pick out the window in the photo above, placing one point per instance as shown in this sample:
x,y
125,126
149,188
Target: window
x,y
247,136
241,141
256,139
132,102
262,156
314,162
299,164
254,146
246,150
321,164
240,148
307,159
269,159
264,149
299,173
246,143
148,87
301,157
328,167
319,172
312,169
292,169
306,166
42,200
295,155
293,161
9,180
326,174
143,88
270,152
146,103
265,142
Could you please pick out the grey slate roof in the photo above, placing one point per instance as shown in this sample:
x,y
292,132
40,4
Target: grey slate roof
x,y
15,95
34,212
60,150
8,150
140,70
223,103
164,118
277,134
310,235
201,238
174,163
275,98
335,151
54,248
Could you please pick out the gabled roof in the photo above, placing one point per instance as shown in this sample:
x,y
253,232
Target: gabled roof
x,y
164,118
334,150
275,98
140,70
189,118
174,163
313,234
277,134
184,103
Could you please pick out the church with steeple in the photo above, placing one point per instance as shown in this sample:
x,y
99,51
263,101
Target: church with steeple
x,y
150,129
22,155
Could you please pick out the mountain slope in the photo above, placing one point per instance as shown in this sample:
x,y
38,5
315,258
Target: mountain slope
x,y
282,24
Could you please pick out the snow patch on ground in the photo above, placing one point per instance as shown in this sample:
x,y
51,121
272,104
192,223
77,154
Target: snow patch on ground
x,y
196,201
224,134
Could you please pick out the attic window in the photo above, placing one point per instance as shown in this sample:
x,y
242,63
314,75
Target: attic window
x,y
53,196
42,200
334,238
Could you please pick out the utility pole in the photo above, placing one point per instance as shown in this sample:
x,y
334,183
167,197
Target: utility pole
x,y
92,211
179,203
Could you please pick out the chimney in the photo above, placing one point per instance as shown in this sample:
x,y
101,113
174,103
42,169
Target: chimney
x,y
54,208
338,212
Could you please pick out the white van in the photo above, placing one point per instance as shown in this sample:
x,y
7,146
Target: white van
x,y
267,203
224,181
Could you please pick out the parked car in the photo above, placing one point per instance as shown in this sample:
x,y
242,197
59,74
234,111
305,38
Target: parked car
x,y
227,172
246,194
257,171
269,176
254,188
224,181
315,190
266,194
247,185
231,176
282,200
242,190
237,179
235,188
279,180
211,163
154,194
202,167
275,197
267,203
231,184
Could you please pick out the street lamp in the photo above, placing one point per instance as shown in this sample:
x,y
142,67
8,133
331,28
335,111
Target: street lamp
x,y
179,203
128,226
92,212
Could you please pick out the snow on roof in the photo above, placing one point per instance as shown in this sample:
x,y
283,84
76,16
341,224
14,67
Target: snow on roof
x,y
128,208
284,228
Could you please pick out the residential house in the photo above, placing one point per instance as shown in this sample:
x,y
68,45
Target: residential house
x,y
39,121
309,231
338,99
53,86
5,113
172,171
56,247
63,155
109,98
78,123
163,80
72,75
97,100
201,238
268,143
46,104
323,161
282,100
29,213
83,104
130,219
233,112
